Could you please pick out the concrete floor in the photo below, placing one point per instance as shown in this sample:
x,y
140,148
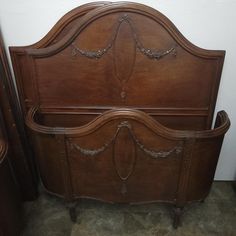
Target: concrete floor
x,y
216,216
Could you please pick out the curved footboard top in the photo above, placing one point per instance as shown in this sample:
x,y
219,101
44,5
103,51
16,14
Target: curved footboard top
x,y
221,126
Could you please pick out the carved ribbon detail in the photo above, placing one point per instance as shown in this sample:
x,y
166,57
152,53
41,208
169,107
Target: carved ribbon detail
x,y
152,153
90,54
158,154
150,53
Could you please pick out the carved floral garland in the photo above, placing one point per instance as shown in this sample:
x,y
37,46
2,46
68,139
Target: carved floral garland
x,y
150,53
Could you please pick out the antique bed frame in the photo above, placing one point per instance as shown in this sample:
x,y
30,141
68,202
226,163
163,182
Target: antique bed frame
x,y
120,107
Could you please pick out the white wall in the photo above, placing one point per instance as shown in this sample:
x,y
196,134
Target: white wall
x,y
207,23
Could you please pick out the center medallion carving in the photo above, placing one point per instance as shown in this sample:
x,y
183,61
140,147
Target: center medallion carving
x,y
125,161
123,61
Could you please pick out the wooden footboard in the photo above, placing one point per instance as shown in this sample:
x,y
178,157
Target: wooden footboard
x,y
124,155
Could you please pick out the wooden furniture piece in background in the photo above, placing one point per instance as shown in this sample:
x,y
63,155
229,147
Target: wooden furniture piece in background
x,y
10,219
120,107
21,155
10,201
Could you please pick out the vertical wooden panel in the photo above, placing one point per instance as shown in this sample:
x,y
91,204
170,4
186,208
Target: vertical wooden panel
x,y
20,155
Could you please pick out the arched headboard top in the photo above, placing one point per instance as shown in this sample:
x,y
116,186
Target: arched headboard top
x,y
94,11
122,55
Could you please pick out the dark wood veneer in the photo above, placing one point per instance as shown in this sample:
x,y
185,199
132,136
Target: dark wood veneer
x,y
13,122
10,200
120,107
10,217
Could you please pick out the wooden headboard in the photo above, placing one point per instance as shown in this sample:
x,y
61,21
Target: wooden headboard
x,y
108,55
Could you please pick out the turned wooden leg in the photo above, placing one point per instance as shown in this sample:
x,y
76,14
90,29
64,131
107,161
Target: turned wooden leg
x,y
178,211
72,211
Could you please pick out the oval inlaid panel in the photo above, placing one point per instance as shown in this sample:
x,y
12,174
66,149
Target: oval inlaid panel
x,y
124,52
124,154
